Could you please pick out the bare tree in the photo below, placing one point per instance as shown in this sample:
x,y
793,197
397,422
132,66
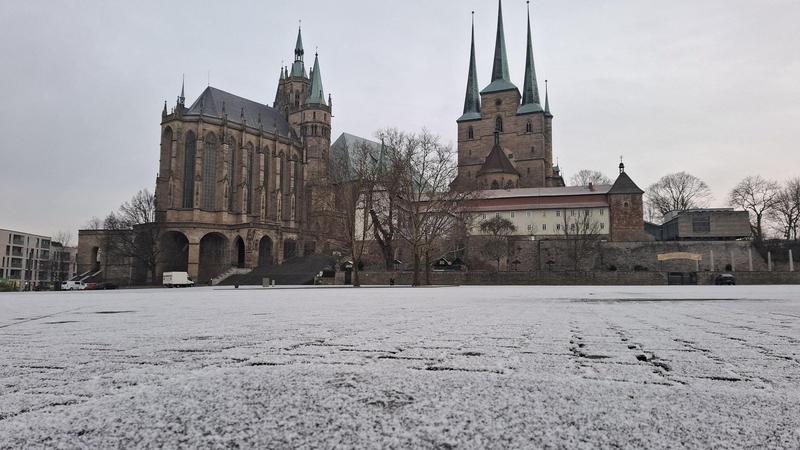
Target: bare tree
x,y
384,209
582,233
586,176
353,189
95,223
132,232
499,228
428,208
678,192
62,237
757,196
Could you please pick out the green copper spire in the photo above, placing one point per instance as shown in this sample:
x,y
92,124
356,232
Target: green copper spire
x,y
298,68
530,91
501,80
316,97
546,100
472,100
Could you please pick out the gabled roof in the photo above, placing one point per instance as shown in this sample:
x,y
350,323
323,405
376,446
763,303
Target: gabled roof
x,y
348,147
624,185
211,101
497,162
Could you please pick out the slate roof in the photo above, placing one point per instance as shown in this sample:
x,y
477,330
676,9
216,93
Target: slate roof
x,y
624,185
497,162
209,104
598,189
348,147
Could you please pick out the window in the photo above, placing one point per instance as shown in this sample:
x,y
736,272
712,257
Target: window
x,y
544,227
558,213
209,171
572,213
602,226
232,173
483,216
530,227
497,215
558,227
625,205
529,127
601,212
587,212
572,227
533,149
528,170
498,124
527,213
510,156
512,214
470,133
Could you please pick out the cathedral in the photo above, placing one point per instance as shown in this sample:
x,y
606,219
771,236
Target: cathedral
x,y
242,184
505,137
237,178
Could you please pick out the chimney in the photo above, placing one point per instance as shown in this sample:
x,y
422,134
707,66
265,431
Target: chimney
x,y
591,186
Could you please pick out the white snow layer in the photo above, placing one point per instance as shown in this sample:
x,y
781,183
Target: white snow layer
x,y
467,367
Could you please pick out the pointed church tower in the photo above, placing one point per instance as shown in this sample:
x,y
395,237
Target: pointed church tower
x,y
472,99
530,91
315,126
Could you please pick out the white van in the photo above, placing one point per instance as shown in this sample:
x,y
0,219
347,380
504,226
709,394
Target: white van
x,y
73,286
177,279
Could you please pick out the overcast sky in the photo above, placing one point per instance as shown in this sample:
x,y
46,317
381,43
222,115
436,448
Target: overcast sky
x,y
711,87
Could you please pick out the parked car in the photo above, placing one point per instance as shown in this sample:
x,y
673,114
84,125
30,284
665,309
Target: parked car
x,y
91,286
177,279
105,285
73,286
725,279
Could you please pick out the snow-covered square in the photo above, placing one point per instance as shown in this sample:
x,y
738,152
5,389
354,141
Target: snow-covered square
x,y
466,367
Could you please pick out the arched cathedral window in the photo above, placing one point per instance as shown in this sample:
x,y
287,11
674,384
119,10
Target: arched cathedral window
x,y
209,171
529,127
189,155
470,133
498,124
231,173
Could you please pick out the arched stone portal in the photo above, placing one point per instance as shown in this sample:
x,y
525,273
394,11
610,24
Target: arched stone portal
x,y
238,252
213,256
174,252
265,252
289,249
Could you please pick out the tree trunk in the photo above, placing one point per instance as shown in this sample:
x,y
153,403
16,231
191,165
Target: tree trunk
x,y
415,278
427,266
356,281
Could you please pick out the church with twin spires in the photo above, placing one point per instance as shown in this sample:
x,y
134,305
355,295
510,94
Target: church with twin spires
x,y
505,137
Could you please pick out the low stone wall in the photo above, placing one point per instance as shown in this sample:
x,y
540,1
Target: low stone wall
x,y
515,278
566,278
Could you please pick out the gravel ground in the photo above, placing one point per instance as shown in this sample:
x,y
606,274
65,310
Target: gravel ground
x,y
467,367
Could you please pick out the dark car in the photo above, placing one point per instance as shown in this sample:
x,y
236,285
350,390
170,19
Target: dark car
x,y
725,279
106,285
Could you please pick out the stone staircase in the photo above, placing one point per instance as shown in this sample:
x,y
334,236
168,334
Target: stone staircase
x,y
294,271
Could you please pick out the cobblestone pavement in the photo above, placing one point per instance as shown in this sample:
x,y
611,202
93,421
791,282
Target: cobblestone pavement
x,y
468,367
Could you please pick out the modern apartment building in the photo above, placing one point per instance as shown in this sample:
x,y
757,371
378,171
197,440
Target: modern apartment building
x,y
35,259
